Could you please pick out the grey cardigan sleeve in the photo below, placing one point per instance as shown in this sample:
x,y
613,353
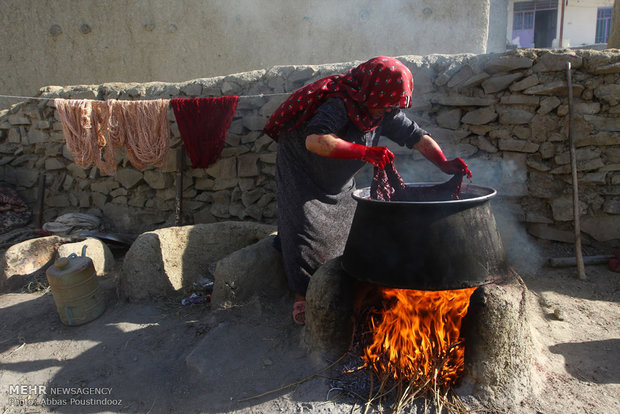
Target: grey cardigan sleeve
x,y
402,130
330,118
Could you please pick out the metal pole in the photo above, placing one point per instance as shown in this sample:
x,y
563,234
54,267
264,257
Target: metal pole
x,y
179,201
581,273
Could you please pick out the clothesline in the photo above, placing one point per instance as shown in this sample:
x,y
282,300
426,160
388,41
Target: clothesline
x,y
94,129
262,95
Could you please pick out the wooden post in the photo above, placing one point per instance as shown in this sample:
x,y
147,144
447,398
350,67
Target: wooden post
x,y
178,220
581,273
38,217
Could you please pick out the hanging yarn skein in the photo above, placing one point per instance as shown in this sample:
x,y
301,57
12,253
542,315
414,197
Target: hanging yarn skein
x,y
94,130
146,131
85,124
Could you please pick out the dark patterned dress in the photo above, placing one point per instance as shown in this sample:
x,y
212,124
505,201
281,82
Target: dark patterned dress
x,y
315,203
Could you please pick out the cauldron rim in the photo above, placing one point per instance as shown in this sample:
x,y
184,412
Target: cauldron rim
x,y
486,193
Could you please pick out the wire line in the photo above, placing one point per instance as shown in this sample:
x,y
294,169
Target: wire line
x,y
51,99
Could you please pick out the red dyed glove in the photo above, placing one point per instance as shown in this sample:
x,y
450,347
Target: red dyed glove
x,y
377,156
456,166
380,157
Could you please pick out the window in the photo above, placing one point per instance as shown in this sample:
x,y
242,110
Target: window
x,y
523,20
603,24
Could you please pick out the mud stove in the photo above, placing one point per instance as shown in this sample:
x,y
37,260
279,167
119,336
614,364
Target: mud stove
x,y
442,266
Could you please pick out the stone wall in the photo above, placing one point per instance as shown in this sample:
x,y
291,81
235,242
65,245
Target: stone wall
x,y
505,114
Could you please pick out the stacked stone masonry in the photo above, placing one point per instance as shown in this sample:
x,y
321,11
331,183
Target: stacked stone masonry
x,y
505,114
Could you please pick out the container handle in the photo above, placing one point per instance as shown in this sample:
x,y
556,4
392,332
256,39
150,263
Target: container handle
x,y
74,255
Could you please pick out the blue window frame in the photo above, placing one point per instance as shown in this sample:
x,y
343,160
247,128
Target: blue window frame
x,y
523,20
603,24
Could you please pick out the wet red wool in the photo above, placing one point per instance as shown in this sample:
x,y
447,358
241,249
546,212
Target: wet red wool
x,y
388,185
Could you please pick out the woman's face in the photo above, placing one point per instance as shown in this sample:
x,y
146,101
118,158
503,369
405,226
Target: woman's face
x,y
376,113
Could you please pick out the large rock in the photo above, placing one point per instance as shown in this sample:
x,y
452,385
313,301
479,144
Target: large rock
x,y
548,232
517,145
480,116
554,88
253,271
498,83
329,309
552,61
23,259
96,250
602,228
608,93
164,261
506,63
513,116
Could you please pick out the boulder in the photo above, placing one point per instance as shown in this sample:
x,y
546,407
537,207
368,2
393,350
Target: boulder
x,y
548,232
329,309
23,259
507,63
480,116
253,271
96,250
498,83
601,228
164,261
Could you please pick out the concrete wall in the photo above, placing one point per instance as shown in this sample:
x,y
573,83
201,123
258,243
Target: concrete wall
x,y
498,20
68,42
505,114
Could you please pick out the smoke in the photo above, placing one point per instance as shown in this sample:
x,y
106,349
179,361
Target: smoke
x,y
508,176
522,251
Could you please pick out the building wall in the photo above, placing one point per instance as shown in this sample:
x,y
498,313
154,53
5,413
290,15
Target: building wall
x,y
614,35
579,21
506,115
68,42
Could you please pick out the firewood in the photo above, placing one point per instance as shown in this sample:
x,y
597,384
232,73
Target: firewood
x,y
572,261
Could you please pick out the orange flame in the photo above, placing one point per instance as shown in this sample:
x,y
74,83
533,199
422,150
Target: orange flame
x,y
416,337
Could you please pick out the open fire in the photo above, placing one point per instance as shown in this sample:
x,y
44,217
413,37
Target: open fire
x,y
413,336
423,350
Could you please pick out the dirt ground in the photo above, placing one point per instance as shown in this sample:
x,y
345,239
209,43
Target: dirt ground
x,y
161,357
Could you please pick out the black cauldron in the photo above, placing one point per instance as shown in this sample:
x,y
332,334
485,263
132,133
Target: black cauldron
x,y
425,245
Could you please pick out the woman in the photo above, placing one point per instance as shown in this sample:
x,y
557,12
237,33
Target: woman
x,y
326,131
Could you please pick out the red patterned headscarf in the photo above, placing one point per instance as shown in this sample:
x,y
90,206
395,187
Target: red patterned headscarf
x,y
380,82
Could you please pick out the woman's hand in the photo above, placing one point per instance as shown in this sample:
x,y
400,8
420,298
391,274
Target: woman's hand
x,y
380,157
456,166
432,151
333,147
